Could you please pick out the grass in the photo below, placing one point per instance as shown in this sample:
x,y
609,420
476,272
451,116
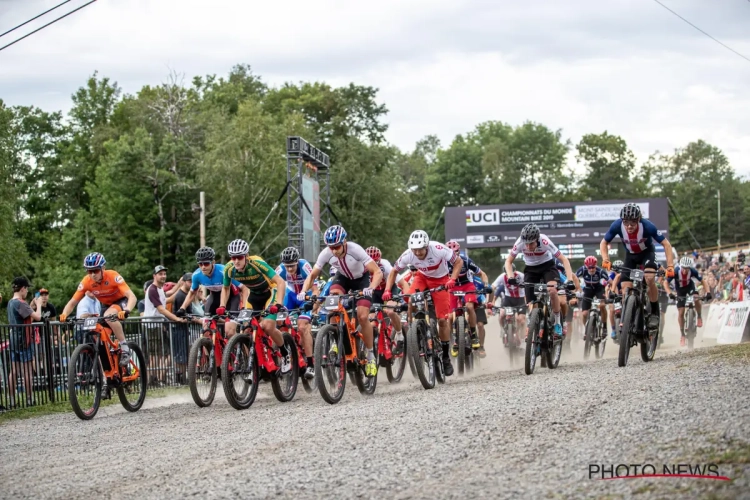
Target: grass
x,y
735,353
64,406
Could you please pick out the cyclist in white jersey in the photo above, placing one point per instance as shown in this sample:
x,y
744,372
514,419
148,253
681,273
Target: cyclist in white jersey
x,y
514,296
539,253
353,265
431,260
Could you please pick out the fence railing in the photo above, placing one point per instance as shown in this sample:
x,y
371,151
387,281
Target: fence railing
x,y
34,358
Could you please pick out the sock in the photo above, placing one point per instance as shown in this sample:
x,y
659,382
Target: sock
x,y
472,330
557,318
283,350
655,307
699,315
310,361
446,347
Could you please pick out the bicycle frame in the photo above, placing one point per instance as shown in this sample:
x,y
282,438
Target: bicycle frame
x,y
108,349
384,340
287,323
347,325
263,344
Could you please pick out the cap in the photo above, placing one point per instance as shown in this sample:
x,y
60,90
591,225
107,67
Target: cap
x,y
168,286
159,269
20,282
43,291
187,277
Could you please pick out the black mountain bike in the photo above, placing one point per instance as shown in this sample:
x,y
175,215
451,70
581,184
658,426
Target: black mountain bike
x,y
596,331
540,340
636,311
422,341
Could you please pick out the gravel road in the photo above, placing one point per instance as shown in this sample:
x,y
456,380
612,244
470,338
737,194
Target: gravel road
x,y
498,434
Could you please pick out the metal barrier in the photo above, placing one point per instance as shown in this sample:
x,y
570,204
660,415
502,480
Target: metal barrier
x,y
36,356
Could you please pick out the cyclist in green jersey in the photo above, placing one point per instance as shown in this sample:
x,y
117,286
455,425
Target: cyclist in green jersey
x,y
262,290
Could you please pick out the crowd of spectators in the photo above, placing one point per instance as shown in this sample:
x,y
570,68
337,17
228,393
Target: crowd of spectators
x,y
727,274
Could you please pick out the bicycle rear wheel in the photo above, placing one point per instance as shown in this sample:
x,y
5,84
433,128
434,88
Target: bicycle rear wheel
x,y
85,381
365,384
284,385
394,368
132,394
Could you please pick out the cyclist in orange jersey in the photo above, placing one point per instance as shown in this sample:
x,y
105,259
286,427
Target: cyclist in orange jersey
x,y
111,290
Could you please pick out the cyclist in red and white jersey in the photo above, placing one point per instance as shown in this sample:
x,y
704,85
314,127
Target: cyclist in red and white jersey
x,y
352,264
513,296
539,253
377,295
431,260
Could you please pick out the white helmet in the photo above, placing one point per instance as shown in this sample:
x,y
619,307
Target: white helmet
x,y
418,239
686,262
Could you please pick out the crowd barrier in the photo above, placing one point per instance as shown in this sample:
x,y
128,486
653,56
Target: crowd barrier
x,y
34,358
727,322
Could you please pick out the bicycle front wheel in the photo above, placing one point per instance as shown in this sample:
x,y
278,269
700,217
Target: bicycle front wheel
x,y
85,381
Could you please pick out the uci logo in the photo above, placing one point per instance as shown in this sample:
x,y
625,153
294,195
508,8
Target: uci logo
x,y
483,217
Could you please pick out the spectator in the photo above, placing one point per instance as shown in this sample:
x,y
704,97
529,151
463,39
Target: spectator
x,y
181,334
88,307
741,258
21,339
49,311
156,307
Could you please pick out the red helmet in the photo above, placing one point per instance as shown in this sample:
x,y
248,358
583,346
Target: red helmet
x,y
374,253
454,245
590,261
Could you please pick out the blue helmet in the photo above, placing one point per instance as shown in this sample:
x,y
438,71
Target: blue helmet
x,y
94,260
334,235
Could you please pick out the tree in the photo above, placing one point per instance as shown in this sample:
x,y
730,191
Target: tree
x,y
611,172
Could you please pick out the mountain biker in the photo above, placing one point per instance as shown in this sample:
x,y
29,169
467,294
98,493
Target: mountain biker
x,y
615,294
595,281
111,290
431,260
483,300
210,275
465,283
539,254
352,264
377,298
512,296
568,300
262,288
638,235
684,274
294,271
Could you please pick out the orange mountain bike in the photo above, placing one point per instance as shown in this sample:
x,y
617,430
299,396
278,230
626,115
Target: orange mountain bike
x,y
94,369
339,347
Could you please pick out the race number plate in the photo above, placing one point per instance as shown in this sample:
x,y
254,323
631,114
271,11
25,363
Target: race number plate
x,y
637,275
332,303
540,287
689,300
245,315
90,323
618,306
282,316
595,303
417,297
509,311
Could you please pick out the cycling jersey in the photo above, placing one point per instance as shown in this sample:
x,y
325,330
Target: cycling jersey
x,y
434,265
351,264
510,290
685,276
109,290
385,268
545,251
295,281
257,275
468,270
213,283
479,285
599,278
639,241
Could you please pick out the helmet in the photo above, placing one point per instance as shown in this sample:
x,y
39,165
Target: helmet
x,y
590,261
530,233
686,262
334,235
454,245
290,255
205,254
630,211
618,263
238,247
94,260
418,239
374,253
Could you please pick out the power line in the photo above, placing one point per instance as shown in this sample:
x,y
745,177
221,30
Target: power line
x,y
49,23
33,18
709,36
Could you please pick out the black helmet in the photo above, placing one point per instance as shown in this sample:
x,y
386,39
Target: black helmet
x,y
290,255
630,211
205,254
530,233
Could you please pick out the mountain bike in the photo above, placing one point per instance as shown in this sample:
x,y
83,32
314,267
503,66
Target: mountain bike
x,y
251,356
340,348
204,360
286,322
422,341
540,340
394,364
596,331
636,311
511,334
462,336
691,319
94,369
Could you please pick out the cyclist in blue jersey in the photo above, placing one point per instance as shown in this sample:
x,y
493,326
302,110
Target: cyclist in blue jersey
x,y
638,236
294,271
211,275
480,283
595,281
684,274
465,284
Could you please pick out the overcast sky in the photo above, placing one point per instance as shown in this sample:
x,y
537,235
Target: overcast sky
x,y
626,66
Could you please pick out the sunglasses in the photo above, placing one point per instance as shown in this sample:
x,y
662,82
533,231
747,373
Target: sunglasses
x,y
92,271
336,247
204,264
237,257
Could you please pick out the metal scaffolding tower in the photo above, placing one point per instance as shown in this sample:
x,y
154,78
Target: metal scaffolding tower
x,y
304,159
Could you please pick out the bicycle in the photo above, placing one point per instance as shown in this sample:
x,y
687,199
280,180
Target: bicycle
x,y
94,368
634,321
422,342
462,336
691,319
286,322
540,340
251,356
205,359
394,364
596,330
342,335
511,335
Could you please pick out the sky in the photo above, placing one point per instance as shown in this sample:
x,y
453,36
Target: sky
x,y
629,67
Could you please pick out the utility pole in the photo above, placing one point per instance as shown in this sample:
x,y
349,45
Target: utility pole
x,y
718,206
203,218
